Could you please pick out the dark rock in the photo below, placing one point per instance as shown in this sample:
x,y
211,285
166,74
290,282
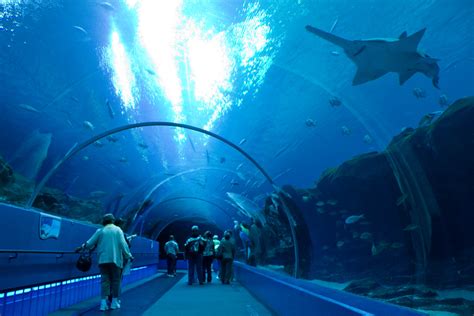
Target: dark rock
x,y
362,286
45,201
425,178
433,167
6,173
458,306
390,292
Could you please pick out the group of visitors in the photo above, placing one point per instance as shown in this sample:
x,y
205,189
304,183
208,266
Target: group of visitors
x,y
113,251
250,237
200,252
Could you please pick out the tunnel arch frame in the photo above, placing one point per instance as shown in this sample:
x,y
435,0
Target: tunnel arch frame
x,y
78,147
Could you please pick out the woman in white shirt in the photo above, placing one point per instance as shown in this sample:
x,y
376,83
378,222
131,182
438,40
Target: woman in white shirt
x,y
111,251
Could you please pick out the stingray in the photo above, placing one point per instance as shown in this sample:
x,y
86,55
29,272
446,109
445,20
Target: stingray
x,y
376,57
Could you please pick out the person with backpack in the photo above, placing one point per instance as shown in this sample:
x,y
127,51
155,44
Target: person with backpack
x,y
194,247
208,256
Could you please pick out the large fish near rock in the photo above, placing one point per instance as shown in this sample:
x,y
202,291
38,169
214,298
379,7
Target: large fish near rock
x,y
377,57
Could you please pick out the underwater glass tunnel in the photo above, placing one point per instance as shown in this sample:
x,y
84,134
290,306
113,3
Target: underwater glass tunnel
x,y
336,135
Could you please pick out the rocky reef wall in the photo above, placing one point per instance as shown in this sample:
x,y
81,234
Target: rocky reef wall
x,y
400,216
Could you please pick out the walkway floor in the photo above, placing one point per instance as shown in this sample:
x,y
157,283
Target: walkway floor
x,y
209,300
162,295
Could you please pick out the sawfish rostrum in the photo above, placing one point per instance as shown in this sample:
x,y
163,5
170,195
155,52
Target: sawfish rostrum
x,y
377,57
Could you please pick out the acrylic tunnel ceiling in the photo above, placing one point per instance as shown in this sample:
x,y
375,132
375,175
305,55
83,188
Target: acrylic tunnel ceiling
x,y
247,71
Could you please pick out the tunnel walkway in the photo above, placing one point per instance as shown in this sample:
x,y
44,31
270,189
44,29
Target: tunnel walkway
x,y
163,295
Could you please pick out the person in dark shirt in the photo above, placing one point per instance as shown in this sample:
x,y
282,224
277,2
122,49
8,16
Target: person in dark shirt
x,y
227,252
194,248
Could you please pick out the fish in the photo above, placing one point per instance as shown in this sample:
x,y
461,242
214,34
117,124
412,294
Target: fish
x,y
109,107
375,58
374,250
88,125
222,160
428,118
366,236
355,235
340,244
123,159
80,29
28,107
239,166
320,210
320,203
242,141
310,123
305,198
331,202
112,138
419,93
234,182
97,194
335,101
411,227
143,145
85,158
335,53
406,129
107,6
345,130
98,143
150,71
367,139
443,100
354,219
397,245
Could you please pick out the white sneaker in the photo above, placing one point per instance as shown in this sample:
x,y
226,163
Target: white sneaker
x,y
103,305
115,304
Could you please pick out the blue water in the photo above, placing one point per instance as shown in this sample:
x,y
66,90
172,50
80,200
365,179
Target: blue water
x,y
245,70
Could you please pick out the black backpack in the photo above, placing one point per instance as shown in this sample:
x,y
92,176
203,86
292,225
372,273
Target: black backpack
x,y
195,246
84,262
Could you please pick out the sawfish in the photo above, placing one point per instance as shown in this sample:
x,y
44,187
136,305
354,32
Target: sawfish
x,y
376,57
